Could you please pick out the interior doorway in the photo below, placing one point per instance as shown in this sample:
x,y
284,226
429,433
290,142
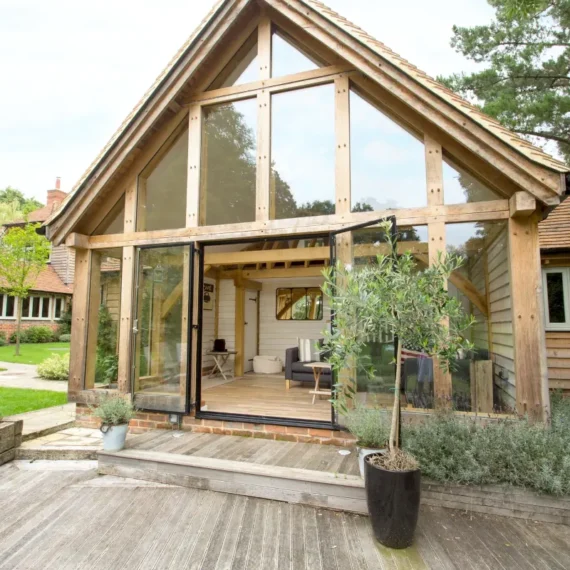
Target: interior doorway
x,y
251,336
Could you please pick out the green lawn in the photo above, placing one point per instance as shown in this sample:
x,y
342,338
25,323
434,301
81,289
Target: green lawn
x,y
32,353
18,400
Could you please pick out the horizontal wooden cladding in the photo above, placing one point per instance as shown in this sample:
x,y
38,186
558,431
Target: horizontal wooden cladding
x,y
275,85
558,359
472,212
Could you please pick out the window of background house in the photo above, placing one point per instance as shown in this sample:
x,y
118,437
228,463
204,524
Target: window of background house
x,y
556,286
299,304
34,307
7,306
57,307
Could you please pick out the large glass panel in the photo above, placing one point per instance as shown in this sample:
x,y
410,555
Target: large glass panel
x,y
483,380
104,313
162,188
243,68
160,346
288,59
228,175
303,153
459,187
555,295
375,371
387,162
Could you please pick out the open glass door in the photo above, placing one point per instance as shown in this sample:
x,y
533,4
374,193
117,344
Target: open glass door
x,y
355,247
163,297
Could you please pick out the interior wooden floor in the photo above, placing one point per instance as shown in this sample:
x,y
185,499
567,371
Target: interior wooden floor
x,y
266,395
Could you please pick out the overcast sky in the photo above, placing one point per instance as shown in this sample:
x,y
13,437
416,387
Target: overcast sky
x,y
71,71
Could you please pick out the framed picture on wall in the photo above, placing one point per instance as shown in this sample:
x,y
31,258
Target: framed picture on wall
x,y
208,297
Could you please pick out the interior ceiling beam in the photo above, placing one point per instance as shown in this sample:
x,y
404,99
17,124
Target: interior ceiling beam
x,y
279,273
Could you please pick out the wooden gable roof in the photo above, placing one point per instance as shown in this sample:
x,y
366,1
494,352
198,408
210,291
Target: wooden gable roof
x,y
527,166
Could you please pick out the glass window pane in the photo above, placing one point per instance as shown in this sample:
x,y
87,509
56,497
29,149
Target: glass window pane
x,y
10,306
303,153
26,307
288,59
57,308
36,307
459,187
162,191
299,302
115,220
45,307
2,308
555,291
387,162
228,175
314,304
162,317
104,313
243,68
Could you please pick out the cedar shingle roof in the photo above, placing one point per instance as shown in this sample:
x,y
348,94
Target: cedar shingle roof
x,y
554,232
494,127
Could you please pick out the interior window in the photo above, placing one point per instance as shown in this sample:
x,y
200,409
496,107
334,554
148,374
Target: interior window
x,y
299,304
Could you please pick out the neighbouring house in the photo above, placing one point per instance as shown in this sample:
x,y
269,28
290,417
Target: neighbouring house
x,y
554,234
52,291
270,148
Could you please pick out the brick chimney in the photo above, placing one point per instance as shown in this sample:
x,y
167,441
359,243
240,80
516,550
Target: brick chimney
x,y
56,196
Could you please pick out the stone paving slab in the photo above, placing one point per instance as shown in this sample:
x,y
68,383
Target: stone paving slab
x,y
45,421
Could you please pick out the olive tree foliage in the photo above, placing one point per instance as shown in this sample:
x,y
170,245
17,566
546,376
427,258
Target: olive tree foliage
x,y
23,254
392,296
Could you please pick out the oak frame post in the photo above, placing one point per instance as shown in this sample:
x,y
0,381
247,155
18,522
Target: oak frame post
x,y
531,374
342,136
125,320
80,307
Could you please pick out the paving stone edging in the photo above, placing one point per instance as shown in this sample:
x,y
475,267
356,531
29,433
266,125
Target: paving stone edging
x,y
499,500
10,439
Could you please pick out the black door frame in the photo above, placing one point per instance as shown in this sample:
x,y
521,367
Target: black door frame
x,y
273,420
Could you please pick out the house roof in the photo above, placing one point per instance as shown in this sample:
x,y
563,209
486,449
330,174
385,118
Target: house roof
x,y
512,140
554,231
48,281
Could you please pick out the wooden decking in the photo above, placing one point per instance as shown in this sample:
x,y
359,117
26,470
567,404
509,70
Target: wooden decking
x,y
69,520
266,395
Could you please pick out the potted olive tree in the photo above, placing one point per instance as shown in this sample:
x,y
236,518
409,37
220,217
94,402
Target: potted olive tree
x,y
115,413
393,296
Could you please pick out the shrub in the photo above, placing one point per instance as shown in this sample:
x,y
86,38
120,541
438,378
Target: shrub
x,y
370,426
64,338
3,341
55,367
34,334
64,326
23,337
512,451
114,411
107,369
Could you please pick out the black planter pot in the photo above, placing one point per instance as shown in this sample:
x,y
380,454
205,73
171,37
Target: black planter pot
x,y
393,499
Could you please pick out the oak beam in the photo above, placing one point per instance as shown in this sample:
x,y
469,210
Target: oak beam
x,y
531,375
93,302
522,205
239,330
342,153
434,171
194,154
77,241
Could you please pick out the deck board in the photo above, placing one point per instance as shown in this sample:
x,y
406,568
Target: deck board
x,y
251,450
78,524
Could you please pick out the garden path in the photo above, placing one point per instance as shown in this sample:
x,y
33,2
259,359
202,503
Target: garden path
x,y
25,376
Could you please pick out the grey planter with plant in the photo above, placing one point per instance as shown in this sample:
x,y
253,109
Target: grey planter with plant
x,y
392,296
115,413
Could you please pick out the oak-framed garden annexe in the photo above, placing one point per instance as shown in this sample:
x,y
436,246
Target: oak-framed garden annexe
x,y
525,186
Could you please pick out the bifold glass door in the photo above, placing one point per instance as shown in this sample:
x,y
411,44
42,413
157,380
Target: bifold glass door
x,y
161,329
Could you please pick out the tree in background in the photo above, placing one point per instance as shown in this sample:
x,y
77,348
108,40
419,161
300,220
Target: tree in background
x,y
23,254
11,195
526,82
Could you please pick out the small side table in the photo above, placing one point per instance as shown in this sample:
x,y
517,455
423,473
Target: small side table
x,y
318,367
220,359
